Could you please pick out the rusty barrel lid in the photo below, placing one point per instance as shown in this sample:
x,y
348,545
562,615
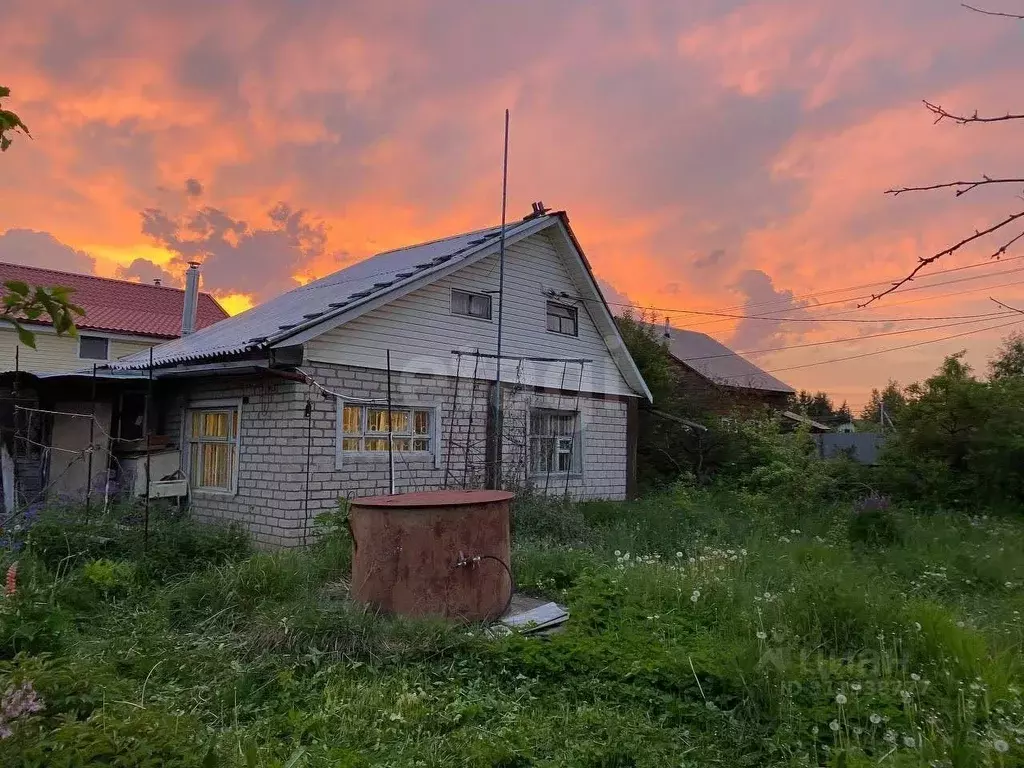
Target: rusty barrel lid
x,y
444,498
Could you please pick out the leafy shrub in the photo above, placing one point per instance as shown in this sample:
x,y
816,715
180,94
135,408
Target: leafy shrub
x,y
537,517
110,577
873,523
63,537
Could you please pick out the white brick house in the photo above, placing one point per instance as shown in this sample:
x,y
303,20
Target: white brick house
x,y
283,409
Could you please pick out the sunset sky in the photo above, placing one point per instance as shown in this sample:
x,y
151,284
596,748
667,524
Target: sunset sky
x,y
713,155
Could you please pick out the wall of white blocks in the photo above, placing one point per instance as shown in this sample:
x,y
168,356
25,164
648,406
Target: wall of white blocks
x,y
277,505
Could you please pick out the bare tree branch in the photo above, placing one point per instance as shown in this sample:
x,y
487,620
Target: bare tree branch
x,y
924,261
992,13
942,114
1007,306
963,187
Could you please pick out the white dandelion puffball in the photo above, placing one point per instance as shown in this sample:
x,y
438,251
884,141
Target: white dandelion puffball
x,y
875,718
618,553
917,625
910,741
679,555
1001,746
840,699
761,635
855,686
914,676
834,726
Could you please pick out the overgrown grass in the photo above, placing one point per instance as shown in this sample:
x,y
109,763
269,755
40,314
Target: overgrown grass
x,y
723,627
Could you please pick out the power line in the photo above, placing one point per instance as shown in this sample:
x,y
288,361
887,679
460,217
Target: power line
x,y
882,351
830,291
856,310
836,341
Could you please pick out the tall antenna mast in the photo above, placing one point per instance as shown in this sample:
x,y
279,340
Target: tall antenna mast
x,y
499,430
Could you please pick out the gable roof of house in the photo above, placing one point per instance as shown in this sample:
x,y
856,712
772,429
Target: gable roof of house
x,y
716,362
120,306
330,301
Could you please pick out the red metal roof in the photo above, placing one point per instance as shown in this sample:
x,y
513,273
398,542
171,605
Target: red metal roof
x,y
120,306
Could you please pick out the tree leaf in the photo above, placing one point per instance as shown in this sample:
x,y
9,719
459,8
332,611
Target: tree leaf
x,y
19,287
25,336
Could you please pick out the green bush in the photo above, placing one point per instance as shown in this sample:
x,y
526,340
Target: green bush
x,y
873,523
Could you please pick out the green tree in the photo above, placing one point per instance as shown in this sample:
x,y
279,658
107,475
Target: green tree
x,y
10,123
891,396
1009,360
960,440
23,303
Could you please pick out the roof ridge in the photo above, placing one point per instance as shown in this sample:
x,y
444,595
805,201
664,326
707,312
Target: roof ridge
x,y
118,280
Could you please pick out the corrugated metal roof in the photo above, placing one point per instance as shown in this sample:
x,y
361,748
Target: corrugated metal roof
x,y
275,320
120,306
715,361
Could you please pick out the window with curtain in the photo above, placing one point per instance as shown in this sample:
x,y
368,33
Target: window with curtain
x,y
213,447
563,319
365,428
555,444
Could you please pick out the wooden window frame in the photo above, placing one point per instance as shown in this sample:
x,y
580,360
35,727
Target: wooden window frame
x,y
575,444
232,406
345,457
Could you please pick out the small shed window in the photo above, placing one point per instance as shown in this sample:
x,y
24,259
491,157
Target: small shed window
x,y
563,319
471,304
365,429
213,447
93,347
555,443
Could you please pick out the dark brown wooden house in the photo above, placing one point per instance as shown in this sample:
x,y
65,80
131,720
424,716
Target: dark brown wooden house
x,y
717,380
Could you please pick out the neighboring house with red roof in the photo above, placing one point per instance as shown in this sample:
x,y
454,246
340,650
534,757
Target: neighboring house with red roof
x,y
121,318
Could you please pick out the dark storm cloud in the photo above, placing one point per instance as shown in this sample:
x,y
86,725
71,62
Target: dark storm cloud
x,y
41,249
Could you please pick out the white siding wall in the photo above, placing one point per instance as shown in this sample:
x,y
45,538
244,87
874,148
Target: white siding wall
x,y
421,331
57,354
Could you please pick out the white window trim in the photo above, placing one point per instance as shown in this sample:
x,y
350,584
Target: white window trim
x,y
581,449
82,336
345,459
451,304
563,305
186,444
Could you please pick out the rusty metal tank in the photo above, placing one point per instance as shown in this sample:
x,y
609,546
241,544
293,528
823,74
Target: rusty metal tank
x,y
436,553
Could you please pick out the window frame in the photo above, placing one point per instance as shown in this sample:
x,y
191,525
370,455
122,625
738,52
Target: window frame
x,y
344,459
229,404
471,295
573,310
578,456
90,337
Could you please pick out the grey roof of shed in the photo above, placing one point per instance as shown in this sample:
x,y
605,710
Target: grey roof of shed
x,y
715,361
275,320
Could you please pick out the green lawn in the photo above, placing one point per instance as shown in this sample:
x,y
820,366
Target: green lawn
x,y
708,628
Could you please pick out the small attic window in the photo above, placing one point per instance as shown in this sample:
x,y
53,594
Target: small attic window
x,y
469,304
563,319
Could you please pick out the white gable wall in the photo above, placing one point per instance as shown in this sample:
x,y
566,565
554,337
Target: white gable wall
x,y
421,331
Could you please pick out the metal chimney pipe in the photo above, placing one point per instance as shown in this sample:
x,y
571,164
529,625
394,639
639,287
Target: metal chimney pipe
x,y
191,304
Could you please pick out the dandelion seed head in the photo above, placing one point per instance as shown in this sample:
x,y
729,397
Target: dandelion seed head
x,y
840,699
914,676
855,686
834,726
1000,746
910,741
875,718
762,635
